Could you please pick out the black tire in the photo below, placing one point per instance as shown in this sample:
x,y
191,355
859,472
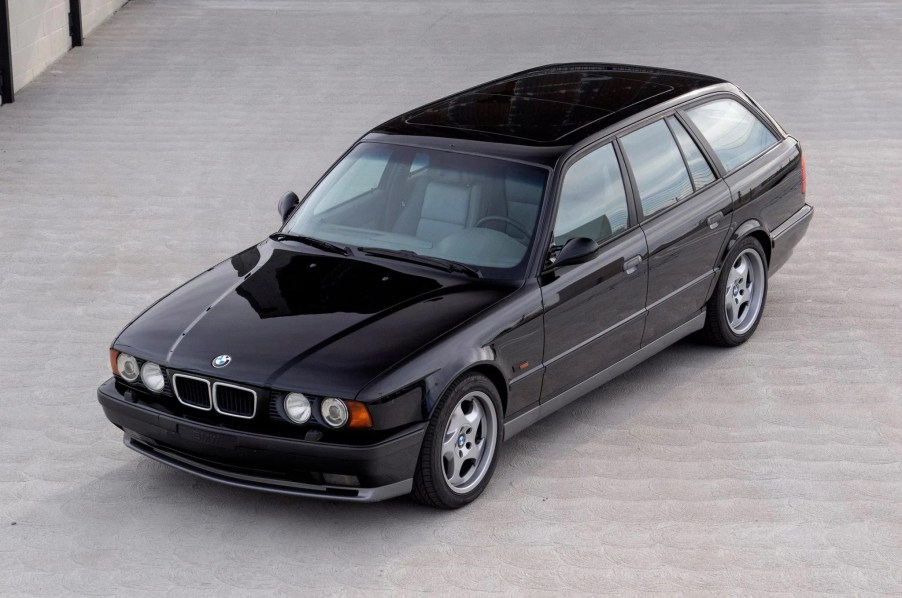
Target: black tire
x,y
430,485
718,330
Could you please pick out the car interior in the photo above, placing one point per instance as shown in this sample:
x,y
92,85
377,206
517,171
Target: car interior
x,y
459,207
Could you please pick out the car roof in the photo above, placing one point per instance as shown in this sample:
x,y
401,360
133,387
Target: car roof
x,y
552,105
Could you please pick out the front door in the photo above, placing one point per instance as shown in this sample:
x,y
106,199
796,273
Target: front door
x,y
595,311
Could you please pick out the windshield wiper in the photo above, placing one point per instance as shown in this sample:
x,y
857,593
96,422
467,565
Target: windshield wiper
x,y
415,258
318,243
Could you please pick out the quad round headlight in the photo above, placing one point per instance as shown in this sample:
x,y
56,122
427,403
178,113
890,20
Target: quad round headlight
x,y
128,367
152,376
334,411
297,407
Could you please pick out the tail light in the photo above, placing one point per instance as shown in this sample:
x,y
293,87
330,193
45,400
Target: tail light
x,y
804,176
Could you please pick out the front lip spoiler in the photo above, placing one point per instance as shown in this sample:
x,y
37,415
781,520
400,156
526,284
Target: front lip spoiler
x,y
238,480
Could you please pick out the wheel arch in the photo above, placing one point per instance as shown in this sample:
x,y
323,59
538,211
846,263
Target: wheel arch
x,y
489,369
493,373
750,228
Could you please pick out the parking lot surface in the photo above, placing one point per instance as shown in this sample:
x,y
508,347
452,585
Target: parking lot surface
x,y
162,147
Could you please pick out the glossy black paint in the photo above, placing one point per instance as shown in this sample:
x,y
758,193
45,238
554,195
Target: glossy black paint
x,y
683,252
395,335
576,251
594,313
558,104
294,318
385,461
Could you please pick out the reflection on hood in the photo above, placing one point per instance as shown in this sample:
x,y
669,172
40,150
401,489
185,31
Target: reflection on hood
x,y
290,319
291,284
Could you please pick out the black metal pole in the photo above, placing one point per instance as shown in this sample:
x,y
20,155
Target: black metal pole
x,y
75,23
6,56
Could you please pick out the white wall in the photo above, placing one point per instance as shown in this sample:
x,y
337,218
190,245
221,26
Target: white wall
x,y
39,32
39,35
95,12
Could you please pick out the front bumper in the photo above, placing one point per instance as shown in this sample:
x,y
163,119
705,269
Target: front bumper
x,y
269,463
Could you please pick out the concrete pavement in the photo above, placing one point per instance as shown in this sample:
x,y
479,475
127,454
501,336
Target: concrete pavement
x,y
162,146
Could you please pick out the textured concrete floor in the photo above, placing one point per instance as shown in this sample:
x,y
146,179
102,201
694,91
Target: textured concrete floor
x,y
162,147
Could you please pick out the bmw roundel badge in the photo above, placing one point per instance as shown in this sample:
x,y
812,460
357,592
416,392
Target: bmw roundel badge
x,y
222,361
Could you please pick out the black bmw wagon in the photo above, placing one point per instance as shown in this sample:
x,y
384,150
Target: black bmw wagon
x,y
462,271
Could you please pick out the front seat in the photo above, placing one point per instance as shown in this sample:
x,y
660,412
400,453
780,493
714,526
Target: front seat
x,y
445,203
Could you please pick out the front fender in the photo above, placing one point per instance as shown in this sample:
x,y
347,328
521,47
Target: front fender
x,y
499,342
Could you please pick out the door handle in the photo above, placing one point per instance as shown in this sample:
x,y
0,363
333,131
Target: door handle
x,y
631,265
714,219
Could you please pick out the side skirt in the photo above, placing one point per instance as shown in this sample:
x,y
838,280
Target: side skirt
x,y
521,422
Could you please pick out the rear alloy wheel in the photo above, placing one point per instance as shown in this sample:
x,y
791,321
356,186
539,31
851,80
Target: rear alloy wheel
x,y
735,308
461,446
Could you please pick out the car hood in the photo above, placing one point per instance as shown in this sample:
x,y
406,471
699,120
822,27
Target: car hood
x,y
316,323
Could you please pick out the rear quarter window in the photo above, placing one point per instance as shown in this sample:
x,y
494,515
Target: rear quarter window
x,y
733,132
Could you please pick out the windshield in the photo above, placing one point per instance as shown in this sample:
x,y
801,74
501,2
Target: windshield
x,y
458,207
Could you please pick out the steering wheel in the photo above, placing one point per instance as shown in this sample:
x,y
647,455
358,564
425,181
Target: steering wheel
x,y
509,221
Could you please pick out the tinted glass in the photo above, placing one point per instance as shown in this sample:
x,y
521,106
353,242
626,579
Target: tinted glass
x,y
362,174
433,203
420,161
734,133
657,166
698,166
593,200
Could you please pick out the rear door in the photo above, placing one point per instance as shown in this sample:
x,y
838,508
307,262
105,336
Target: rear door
x,y
594,312
685,211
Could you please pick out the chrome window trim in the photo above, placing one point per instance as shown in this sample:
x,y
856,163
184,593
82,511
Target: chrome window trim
x,y
235,386
175,390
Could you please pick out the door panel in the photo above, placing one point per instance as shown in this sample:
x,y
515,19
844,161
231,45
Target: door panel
x,y
594,313
683,251
686,221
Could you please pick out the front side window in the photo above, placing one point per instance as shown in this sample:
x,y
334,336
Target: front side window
x,y
733,132
433,203
593,200
657,166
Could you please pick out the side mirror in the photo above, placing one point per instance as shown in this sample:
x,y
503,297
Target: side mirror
x,y
287,205
576,251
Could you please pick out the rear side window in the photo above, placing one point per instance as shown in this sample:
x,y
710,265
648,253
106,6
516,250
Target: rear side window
x,y
698,166
593,200
735,134
658,167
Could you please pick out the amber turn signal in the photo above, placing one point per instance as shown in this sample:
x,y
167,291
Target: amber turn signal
x,y
359,415
114,358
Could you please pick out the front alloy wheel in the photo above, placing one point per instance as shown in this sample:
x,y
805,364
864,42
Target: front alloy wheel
x,y
460,450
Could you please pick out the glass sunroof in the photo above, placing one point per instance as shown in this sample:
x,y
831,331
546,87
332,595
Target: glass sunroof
x,y
543,107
